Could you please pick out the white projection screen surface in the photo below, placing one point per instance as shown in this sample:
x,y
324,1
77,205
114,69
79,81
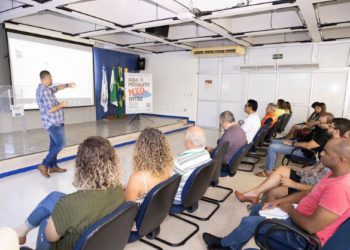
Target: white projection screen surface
x,y
67,62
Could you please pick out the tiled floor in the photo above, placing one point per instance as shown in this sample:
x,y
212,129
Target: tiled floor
x,y
36,140
20,193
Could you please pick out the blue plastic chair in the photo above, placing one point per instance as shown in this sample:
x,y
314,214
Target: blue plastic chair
x,y
193,191
110,232
154,209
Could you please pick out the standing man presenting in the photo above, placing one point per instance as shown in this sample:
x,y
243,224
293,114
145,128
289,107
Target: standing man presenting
x,y
51,113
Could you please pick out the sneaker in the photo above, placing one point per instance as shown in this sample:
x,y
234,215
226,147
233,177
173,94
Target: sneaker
x,y
43,171
57,169
211,240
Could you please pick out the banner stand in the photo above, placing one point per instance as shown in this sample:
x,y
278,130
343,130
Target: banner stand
x,y
138,95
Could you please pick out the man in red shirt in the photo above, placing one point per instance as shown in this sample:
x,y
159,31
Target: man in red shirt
x,y
319,212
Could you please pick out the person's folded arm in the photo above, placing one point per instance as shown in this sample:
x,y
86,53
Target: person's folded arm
x,y
293,199
301,186
311,224
308,145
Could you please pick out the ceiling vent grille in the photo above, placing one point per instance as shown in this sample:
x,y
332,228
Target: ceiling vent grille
x,y
219,51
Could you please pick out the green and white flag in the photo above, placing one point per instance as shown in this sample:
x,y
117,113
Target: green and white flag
x,y
104,90
113,89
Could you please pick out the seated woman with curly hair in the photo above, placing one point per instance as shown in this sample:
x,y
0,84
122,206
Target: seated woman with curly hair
x,y
153,163
63,218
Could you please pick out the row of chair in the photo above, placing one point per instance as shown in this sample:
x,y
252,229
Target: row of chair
x,y
113,231
158,204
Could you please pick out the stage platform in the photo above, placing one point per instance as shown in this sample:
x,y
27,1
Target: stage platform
x,y
21,151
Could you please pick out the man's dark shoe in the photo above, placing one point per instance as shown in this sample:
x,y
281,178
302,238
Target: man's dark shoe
x,y
57,170
211,240
43,171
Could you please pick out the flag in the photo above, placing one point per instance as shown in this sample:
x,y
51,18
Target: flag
x,y
104,90
120,91
113,89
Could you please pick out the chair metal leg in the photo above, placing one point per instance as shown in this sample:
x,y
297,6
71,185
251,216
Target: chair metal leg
x,y
252,161
230,191
217,206
184,240
257,154
252,166
151,244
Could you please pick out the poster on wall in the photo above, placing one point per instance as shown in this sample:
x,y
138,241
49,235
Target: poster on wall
x,y
138,93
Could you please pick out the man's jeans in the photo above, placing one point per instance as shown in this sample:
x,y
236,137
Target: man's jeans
x,y
57,142
277,147
39,217
245,231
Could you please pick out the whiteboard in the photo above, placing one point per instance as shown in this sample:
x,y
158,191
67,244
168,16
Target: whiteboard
x,y
208,114
329,87
295,87
29,55
262,87
208,87
237,109
232,87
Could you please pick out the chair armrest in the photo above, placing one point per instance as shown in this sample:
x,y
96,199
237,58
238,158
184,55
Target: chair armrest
x,y
279,225
294,157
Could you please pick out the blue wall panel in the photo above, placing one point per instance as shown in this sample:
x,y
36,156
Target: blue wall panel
x,y
109,58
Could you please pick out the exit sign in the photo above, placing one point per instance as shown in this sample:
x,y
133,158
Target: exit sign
x,y
277,56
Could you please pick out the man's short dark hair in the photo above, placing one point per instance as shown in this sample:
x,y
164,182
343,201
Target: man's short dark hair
x,y
44,74
315,104
227,116
253,104
342,124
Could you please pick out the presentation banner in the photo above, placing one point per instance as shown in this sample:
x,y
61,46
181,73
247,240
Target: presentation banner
x,y
138,93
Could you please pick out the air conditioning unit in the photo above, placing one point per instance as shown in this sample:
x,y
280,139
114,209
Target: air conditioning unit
x,y
219,51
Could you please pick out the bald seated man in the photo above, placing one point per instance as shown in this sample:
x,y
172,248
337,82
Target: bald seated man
x,y
320,211
194,156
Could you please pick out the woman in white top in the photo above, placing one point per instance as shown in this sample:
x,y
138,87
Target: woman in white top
x,y
153,163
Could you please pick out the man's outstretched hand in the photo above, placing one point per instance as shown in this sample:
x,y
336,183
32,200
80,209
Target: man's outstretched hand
x,y
71,85
63,104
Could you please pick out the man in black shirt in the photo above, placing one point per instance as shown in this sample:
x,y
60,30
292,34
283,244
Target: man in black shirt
x,y
315,141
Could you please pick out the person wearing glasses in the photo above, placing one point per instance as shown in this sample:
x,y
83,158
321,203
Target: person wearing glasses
x,y
286,180
252,123
314,141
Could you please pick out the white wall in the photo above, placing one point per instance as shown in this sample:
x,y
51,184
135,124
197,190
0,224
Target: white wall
x,y
174,83
32,118
289,78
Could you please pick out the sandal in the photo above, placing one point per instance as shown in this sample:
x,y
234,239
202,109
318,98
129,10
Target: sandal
x,y
263,174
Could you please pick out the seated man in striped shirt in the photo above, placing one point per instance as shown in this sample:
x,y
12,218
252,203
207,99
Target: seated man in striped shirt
x,y
194,156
